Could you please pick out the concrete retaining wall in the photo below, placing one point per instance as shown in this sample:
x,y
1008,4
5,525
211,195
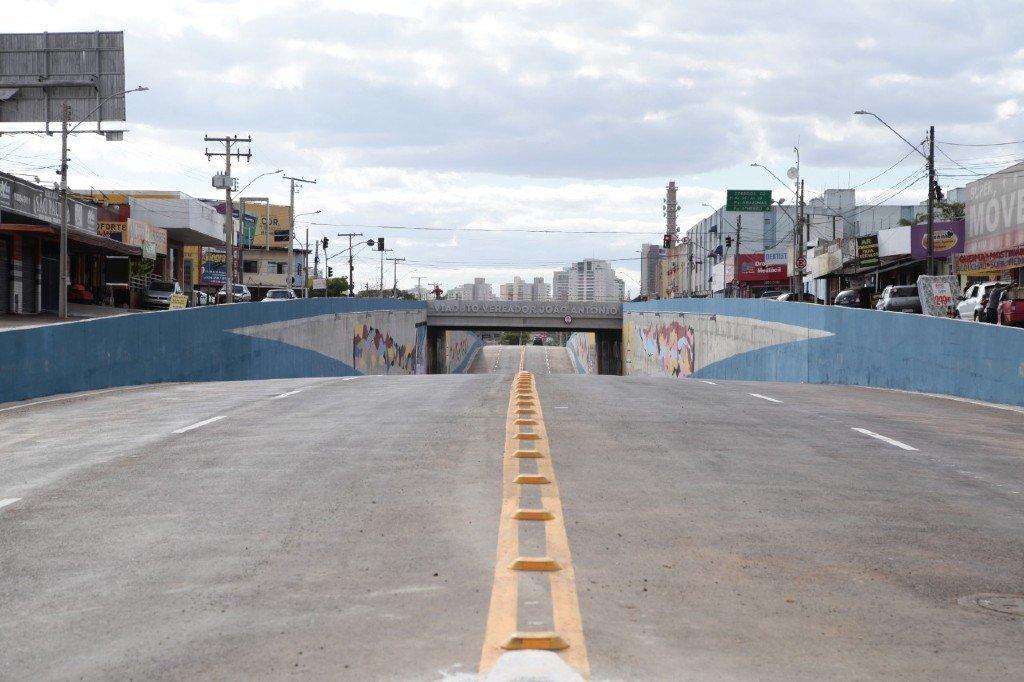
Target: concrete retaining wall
x,y
304,338
583,351
460,347
774,341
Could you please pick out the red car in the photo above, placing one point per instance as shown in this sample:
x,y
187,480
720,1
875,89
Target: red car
x,y
1011,307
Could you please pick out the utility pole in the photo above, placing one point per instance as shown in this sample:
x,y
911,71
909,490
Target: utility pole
x,y
62,300
931,199
419,289
228,183
351,265
381,290
291,228
305,272
394,289
736,256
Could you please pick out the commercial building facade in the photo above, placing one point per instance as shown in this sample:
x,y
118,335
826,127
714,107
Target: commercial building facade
x,y
994,243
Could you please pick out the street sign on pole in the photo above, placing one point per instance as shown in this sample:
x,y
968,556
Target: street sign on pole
x,y
801,262
748,200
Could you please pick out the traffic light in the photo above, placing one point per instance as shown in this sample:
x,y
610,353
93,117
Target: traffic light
x,y
330,271
380,243
666,241
325,244
937,192
728,241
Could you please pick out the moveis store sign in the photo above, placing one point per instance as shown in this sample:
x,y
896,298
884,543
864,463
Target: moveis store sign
x,y
761,267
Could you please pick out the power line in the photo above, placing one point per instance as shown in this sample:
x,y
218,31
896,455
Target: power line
x,y
981,144
483,229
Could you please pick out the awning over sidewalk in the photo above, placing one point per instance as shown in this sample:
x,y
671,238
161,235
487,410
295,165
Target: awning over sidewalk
x,y
83,241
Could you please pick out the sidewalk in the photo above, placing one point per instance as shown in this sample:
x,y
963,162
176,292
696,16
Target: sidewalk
x,y
76,312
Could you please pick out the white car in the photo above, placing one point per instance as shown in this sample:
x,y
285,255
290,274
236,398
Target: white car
x,y
970,307
279,295
240,294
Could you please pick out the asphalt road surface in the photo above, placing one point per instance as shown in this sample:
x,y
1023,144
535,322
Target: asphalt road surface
x,y
346,528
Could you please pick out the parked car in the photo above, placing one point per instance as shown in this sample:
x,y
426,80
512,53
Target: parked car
x,y
1011,306
900,298
239,294
799,297
774,293
201,297
854,298
279,295
971,306
158,295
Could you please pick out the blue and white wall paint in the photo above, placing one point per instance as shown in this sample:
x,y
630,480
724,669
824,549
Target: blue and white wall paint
x,y
304,338
752,339
460,347
582,348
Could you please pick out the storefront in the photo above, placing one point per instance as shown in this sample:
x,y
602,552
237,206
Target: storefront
x,y
758,273
994,245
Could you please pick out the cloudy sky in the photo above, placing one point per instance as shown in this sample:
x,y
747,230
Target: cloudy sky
x,y
540,115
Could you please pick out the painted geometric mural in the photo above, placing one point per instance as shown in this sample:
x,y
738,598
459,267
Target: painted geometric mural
x,y
668,345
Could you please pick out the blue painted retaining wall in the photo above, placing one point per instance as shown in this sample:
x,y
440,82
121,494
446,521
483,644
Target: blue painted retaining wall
x,y
844,346
194,344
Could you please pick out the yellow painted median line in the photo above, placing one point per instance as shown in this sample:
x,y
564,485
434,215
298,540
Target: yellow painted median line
x,y
502,633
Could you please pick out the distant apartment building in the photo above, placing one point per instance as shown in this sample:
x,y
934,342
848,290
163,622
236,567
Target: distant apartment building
x,y
520,290
651,257
588,280
477,290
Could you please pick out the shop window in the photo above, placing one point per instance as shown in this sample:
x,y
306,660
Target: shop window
x,y
250,266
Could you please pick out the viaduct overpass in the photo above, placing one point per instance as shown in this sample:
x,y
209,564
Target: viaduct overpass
x,y
602,318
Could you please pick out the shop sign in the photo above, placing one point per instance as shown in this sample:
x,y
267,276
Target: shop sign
x,y
157,235
938,294
995,211
178,301
149,250
989,263
947,239
867,251
111,230
761,267
212,266
320,283
33,201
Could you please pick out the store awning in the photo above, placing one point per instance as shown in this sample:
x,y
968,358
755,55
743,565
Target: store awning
x,y
886,264
81,241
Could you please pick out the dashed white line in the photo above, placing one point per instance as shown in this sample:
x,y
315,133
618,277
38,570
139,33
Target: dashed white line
x,y
764,397
198,424
9,500
705,381
890,441
285,395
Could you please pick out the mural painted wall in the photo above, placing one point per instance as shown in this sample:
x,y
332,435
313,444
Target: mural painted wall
x,y
460,347
656,346
303,338
750,339
583,351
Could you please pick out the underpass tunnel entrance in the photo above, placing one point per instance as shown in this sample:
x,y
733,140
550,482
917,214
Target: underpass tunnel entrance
x,y
456,349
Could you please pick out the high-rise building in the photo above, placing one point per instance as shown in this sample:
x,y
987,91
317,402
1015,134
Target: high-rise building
x,y
477,290
519,290
588,280
651,256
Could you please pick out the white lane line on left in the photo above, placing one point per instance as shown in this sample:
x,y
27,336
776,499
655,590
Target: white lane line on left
x,y
705,381
764,397
198,424
9,500
890,441
285,395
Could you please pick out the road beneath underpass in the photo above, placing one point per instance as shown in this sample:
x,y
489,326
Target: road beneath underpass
x,y
347,528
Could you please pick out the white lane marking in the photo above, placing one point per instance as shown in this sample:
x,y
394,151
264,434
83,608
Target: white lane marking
x,y
351,378
198,424
285,395
9,500
561,407
764,397
890,441
705,381
73,396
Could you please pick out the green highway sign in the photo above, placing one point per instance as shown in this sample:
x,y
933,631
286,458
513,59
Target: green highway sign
x,y
748,200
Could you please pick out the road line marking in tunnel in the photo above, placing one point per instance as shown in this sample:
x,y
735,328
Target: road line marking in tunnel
x,y
285,395
198,424
765,397
890,441
502,633
8,501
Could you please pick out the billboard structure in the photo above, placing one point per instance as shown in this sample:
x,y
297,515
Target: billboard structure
x,y
40,73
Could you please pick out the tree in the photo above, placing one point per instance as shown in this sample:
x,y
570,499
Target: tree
x,y
944,211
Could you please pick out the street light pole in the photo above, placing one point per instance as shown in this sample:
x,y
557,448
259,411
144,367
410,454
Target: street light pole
x,y
291,229
394,288
380,291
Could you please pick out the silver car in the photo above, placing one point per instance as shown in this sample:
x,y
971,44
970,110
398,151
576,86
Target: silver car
x,y
900,298
279,295
158,295
239,294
